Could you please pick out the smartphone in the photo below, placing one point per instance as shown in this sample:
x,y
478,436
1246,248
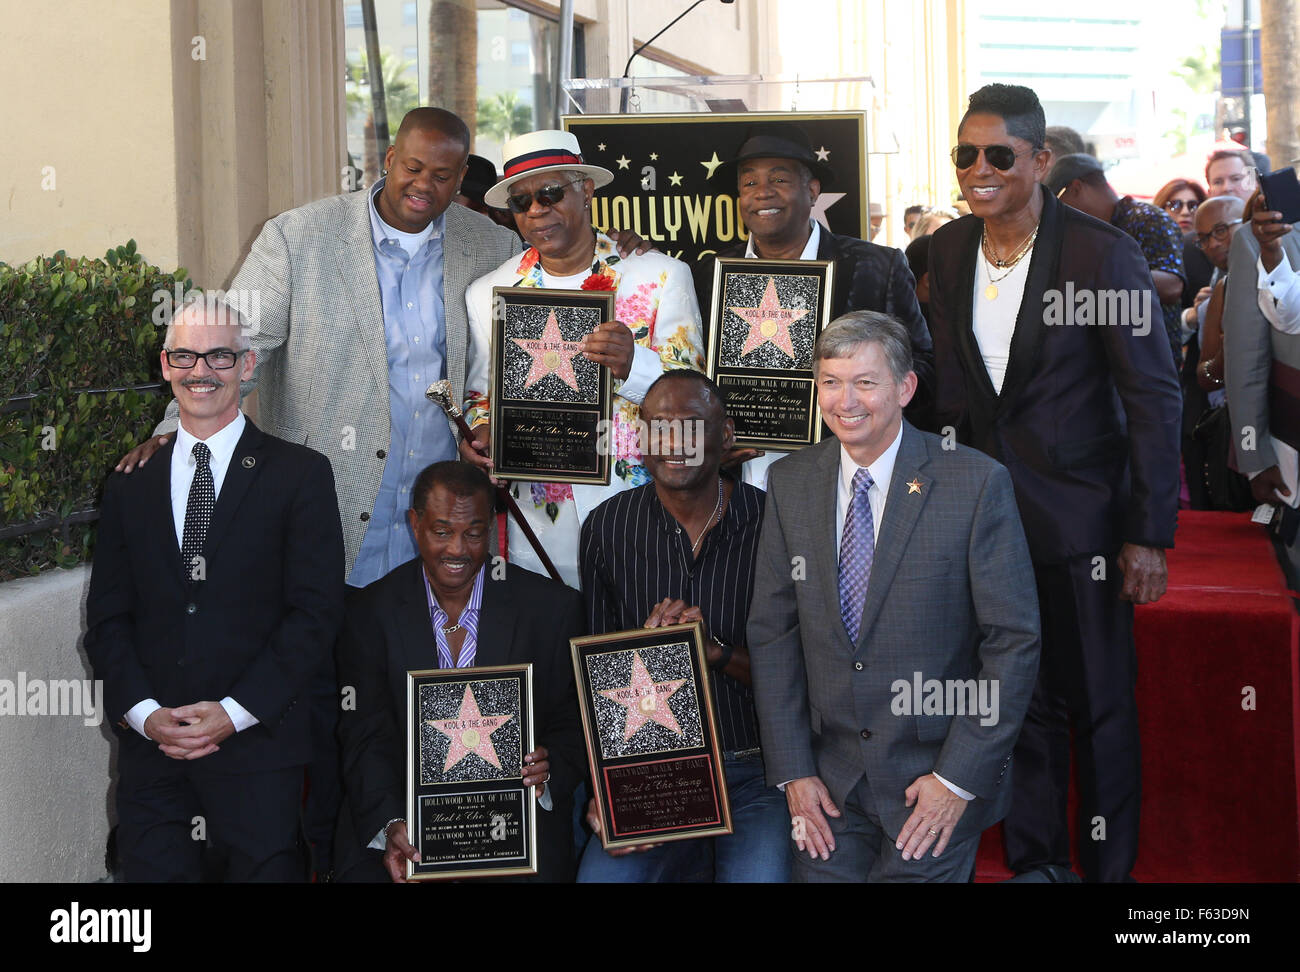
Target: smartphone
x,y
1282,192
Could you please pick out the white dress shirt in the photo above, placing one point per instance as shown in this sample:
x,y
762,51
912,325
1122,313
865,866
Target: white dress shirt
x,y
1279,295
221,445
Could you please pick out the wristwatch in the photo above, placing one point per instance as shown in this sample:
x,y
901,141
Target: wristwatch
x,y
1205,370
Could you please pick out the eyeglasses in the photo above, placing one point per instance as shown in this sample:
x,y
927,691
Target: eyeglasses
x,y
547,196
218,360
1220,232
1178,205
1000,157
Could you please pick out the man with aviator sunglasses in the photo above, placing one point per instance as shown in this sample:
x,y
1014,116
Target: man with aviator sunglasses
x,y
1086,421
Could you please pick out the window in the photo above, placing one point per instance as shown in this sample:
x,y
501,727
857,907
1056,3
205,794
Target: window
x,y
515,53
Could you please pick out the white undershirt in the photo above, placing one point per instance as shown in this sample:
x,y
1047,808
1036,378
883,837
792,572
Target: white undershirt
x,y
994,321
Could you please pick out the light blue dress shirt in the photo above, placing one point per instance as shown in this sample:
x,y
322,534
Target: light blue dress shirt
x,y
410,289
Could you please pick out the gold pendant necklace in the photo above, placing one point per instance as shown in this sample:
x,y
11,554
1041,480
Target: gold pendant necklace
x,y
1010,264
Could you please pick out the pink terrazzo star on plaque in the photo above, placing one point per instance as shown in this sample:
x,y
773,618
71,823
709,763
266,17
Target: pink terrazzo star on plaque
x,y
551,354
769,321
470,732
645,699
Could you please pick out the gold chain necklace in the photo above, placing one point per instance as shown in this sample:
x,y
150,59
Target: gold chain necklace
x,y
1009,264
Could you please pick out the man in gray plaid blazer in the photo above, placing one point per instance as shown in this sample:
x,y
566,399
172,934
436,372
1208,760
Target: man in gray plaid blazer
x,y
334,339
1261,346
891,677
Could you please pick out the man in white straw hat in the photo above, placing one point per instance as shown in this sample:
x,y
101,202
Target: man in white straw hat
x,y
548,187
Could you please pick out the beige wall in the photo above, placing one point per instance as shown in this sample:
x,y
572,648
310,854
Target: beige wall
x,y
188,156
914,52
87,90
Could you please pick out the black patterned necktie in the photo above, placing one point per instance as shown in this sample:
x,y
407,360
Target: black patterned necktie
x,y
198,512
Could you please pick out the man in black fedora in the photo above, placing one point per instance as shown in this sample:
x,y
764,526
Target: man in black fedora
x,y
778,179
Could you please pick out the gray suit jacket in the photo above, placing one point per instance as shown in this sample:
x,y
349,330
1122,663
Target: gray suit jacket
x,y
951,596
322,368
1250,344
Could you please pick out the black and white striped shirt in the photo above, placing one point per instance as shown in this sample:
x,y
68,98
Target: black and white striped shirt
x,y
634,554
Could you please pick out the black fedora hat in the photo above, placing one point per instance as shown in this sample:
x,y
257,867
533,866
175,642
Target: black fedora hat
x,y
776,142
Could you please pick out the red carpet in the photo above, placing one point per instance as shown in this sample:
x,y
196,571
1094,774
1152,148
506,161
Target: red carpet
x,y
1219,781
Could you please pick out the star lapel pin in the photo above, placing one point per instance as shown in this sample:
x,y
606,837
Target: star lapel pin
x,y
914,486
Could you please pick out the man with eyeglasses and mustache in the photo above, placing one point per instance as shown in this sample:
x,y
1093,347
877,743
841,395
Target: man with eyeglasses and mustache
x,y
1086,419
215,596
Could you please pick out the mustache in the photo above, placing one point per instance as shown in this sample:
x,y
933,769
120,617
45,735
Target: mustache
x,y
200,382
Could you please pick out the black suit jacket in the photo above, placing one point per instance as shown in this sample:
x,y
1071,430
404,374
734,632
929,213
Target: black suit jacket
x,y
387,632
867,277
1087,421
260,623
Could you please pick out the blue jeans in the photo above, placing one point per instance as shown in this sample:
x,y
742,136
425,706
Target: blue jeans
x,y
758,851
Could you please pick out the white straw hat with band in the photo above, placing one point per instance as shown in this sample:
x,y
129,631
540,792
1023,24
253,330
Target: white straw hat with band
x,y
545,151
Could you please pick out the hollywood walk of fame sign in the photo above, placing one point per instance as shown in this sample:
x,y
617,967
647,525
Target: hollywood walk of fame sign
x,y
664,186
467,810
652,735
549,404
765,320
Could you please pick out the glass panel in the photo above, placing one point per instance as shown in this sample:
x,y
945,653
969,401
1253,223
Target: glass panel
x,y
516,55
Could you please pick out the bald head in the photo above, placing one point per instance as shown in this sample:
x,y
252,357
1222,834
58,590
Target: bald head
x,y
435,121
1217,219
1218,209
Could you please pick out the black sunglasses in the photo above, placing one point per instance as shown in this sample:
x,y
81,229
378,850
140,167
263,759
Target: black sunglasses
x,y
1177,205
547,196
1000,157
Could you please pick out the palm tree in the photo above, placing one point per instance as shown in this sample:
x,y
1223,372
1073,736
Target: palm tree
x,y
453,57
503,116
1279,52
400,95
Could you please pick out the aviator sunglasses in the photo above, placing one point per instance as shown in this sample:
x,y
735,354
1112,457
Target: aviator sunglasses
x,y
1000,157
1177,205
547,195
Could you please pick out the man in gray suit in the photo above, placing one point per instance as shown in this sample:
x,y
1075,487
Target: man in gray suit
x,y
891,678
1261,347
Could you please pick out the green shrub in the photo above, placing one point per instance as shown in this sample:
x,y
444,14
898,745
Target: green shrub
x,y
75,336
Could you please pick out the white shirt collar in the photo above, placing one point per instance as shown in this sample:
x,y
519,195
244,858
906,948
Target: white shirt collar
x,y
882,470
221,444
411,242
809,250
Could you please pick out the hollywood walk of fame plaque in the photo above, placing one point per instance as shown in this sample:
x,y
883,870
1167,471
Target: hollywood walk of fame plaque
x,y
550,407
468,812
766,317
652,736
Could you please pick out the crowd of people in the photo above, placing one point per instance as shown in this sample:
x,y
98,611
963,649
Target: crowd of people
x,y
982,464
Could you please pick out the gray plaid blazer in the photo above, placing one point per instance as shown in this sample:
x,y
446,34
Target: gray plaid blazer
x,y
322,362
951,595
1250,345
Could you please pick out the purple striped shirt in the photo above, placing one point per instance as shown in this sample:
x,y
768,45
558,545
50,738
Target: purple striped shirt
x,y
468,621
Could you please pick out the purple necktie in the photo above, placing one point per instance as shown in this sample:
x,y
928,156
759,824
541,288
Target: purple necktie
x,y
857,548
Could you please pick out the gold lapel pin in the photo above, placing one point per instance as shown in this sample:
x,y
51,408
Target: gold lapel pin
x,y
249,462
914,486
